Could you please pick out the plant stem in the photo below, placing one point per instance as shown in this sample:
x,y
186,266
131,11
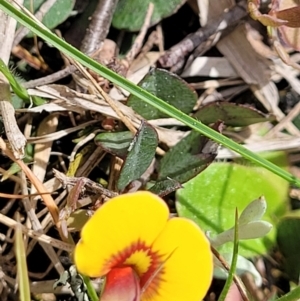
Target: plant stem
x,y
90,289
230,277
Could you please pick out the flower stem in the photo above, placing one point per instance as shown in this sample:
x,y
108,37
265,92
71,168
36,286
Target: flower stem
x,y
229,280
90,288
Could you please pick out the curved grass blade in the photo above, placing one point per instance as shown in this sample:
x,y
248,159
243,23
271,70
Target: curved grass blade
x,y
156,102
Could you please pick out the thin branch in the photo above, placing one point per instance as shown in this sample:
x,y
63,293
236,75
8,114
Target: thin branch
x,y
173,56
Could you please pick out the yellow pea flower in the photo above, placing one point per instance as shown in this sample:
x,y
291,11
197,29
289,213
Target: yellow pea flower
x,y
143,254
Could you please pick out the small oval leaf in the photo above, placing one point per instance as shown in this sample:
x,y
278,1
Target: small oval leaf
x,y
165,187
231,114
254,211
115,143
254,230
130,14
167,86
140,155
187,158
57,14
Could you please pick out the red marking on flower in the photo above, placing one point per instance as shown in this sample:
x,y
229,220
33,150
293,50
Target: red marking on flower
x,y
155,265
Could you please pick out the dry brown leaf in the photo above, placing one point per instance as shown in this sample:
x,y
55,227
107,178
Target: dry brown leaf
x,y
42,151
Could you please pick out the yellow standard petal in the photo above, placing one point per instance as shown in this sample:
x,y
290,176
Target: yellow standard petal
x,y
124,226
187,264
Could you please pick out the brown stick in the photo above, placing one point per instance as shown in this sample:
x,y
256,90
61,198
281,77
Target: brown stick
x,y
47,198
173,56
236,279
99,26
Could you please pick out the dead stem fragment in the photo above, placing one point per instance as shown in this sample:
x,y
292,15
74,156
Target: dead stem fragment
x,y
89,184
236,279
37,235
99,27
173,56
14,135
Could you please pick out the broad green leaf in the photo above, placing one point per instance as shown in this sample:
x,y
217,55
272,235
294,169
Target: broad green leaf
x,y
231,114
186,159
289,244
167,86
210,199
57,14
130,14
140,155
115,143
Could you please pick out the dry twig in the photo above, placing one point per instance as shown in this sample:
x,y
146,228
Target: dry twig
x,y
14,135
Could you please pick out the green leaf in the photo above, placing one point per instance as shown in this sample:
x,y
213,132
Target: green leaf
x,y
164,187
186,159
140,155
20,91
289,244
17,88
57,14
167,86
116,143
293,295
231,114
130,14
210,199
254,211
17,102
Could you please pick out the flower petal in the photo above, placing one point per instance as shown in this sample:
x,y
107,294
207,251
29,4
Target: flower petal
x,y
187,270
121,284
123,224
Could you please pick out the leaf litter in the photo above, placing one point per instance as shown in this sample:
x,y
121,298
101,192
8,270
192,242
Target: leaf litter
x,y
93,140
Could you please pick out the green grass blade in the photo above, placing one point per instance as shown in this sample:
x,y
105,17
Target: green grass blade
x,y
23,280
69,50
18,89
232,269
